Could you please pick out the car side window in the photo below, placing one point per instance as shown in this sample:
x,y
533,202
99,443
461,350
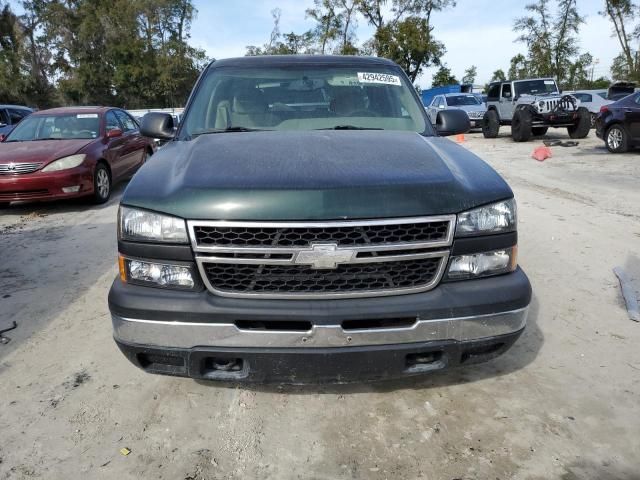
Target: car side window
x,y
506,90
434,102
443,102
15,115
111,121
4,118
126,121
494,92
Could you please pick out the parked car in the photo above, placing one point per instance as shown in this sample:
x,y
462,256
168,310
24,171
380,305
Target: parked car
x,y
70,152
592,100
467,102
619,90
618,124
10,115
306,223
531,107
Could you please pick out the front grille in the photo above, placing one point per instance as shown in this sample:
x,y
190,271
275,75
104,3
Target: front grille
x,y
17,168
300,279
304,236
326,259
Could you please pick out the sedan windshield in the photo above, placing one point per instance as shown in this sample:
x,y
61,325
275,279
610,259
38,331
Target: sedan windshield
x,y
56,127
462,100
304,97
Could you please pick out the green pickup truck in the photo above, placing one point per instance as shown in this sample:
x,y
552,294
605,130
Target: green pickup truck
x,y
306,223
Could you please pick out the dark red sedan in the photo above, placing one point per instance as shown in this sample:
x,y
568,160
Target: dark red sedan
x,y
70,152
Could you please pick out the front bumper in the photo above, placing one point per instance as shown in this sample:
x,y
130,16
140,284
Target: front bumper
x,y
192,333
46,186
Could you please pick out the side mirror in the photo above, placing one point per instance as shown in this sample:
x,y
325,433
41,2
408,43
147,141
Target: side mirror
x,y
452,122
157,125
114,132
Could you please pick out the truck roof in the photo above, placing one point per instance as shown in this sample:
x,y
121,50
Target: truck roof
x,y
277,60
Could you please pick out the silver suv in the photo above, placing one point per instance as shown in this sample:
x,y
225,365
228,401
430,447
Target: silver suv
x,y
531,106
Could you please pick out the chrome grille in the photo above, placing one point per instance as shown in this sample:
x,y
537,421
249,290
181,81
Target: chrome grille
x,y
327,259
17,168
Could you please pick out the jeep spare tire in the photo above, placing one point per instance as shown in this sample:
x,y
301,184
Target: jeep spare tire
x,y
490,124
521,125
582,126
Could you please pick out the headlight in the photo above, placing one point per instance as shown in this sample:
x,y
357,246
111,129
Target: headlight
x,y
156,274
65,163
145,226
483,264
495,218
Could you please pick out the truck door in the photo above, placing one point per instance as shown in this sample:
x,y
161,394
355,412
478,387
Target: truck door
x,y
505,106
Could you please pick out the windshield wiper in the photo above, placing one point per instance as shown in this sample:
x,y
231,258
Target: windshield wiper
x,y
230,129
349,127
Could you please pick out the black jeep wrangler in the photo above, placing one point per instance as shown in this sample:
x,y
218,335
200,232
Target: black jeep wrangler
x,y
306,223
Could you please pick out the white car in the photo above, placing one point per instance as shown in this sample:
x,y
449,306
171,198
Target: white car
x,y
592,100
468,102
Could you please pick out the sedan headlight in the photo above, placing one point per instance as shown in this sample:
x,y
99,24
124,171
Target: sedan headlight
x,y
144,226
495,218
65,163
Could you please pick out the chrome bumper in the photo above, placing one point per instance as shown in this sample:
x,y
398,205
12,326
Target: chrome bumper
x,y
188,335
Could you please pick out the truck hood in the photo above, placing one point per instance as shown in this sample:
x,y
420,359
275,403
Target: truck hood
x,y
43,151
313,175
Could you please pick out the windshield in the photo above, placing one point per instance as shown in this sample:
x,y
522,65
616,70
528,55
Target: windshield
x,y
536,87
304,97
56,127
461,100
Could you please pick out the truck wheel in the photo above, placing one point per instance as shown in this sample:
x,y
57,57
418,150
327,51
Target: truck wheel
x,y
539,131
616,139
4,205
521,125
582,126
490,124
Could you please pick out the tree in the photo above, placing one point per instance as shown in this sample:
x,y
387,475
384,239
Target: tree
x,y
329,23
519,67
470,74
293,43
407,35
498,76
551,38
409,43
443,77
622,13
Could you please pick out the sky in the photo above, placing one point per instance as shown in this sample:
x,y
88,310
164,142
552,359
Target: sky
x,y
475,32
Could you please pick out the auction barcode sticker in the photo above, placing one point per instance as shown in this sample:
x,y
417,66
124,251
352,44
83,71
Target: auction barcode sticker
x,y
384,78
87,115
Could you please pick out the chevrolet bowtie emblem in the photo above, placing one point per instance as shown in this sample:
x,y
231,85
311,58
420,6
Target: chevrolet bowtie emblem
x,y
324,256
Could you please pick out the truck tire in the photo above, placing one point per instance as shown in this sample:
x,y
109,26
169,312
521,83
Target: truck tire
x,y
4,205
521,125
616,139
490,124
582,125
539,131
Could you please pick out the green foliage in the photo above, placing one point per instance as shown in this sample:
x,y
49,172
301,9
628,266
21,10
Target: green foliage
x,y
409,43
130,53
551,39
623,14
498,76
443,77
470,74
284,44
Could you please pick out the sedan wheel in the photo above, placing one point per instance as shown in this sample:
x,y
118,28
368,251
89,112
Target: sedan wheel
x,y
616,139
101,184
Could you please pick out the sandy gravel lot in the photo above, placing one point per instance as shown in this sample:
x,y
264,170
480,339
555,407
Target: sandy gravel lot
x,y
564,403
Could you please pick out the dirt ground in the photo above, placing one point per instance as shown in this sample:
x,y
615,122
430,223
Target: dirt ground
x,y
564,403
